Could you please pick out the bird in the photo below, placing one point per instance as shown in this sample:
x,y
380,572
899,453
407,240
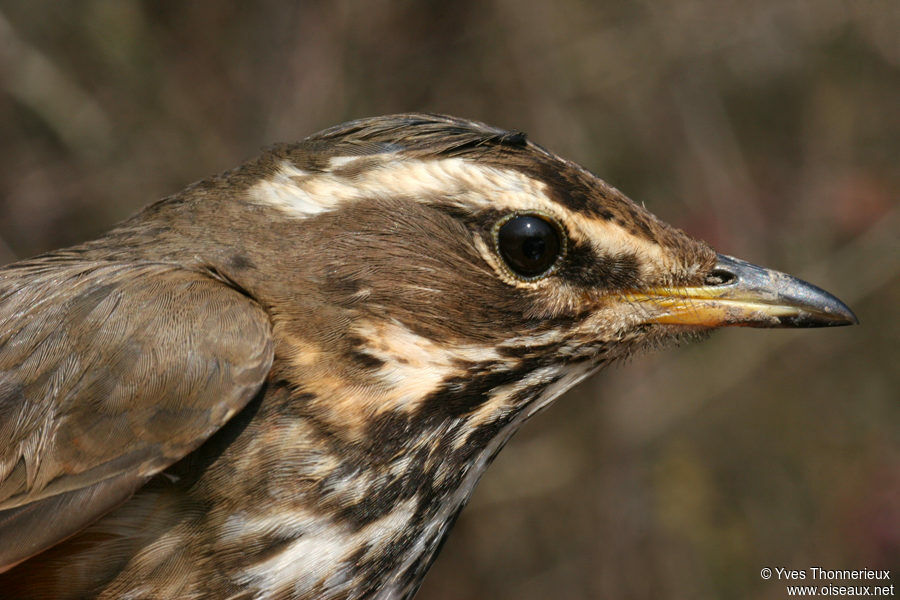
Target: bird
x,y
285,381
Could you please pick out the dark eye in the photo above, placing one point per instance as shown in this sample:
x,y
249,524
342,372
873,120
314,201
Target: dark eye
x,y
528,244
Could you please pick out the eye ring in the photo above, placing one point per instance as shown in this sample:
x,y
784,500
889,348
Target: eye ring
x,y
530,244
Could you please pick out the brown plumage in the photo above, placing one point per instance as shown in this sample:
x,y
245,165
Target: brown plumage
x,y
285,381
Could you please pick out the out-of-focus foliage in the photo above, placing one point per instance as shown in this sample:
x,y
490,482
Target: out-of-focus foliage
x,y
769,128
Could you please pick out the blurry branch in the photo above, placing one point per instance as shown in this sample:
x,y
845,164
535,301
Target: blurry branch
x,y
712,139
32,79
6,253
862,267
867,263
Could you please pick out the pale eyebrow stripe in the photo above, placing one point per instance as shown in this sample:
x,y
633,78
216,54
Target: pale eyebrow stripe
x,y
302,194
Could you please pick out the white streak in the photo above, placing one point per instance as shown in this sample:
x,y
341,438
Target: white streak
x,y
285,192
321,555
415,366
303,194
337,162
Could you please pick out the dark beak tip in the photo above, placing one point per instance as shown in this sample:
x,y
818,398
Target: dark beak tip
x,y
847,317
814,306
834,313
810,321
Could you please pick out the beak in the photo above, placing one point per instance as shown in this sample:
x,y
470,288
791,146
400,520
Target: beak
x,y
741,294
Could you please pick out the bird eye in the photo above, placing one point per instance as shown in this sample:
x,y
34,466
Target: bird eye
x,y
529,244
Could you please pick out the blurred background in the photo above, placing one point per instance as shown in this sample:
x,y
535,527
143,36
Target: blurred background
x,y
769,128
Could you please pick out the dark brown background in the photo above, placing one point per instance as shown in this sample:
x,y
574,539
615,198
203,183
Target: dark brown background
x,y
769,128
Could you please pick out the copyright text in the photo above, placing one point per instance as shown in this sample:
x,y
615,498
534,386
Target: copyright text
x,y
832,582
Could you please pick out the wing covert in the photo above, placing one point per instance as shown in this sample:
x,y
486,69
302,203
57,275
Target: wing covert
x,y
109,373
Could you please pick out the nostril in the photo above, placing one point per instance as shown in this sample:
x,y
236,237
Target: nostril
x,y
720,277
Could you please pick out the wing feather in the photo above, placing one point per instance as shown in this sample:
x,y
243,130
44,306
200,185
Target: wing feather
x,y
109,373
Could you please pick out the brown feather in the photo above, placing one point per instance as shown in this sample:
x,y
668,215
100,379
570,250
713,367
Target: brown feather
x,y
111,372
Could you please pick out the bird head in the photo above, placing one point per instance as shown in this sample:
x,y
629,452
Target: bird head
x,y
426,284
426,269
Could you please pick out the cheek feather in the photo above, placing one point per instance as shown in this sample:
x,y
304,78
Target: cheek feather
x,y
392,370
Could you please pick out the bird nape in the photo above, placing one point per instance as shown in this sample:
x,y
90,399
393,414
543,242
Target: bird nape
x,y
285,381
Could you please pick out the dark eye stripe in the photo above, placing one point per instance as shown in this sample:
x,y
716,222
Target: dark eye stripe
x,y
585,268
